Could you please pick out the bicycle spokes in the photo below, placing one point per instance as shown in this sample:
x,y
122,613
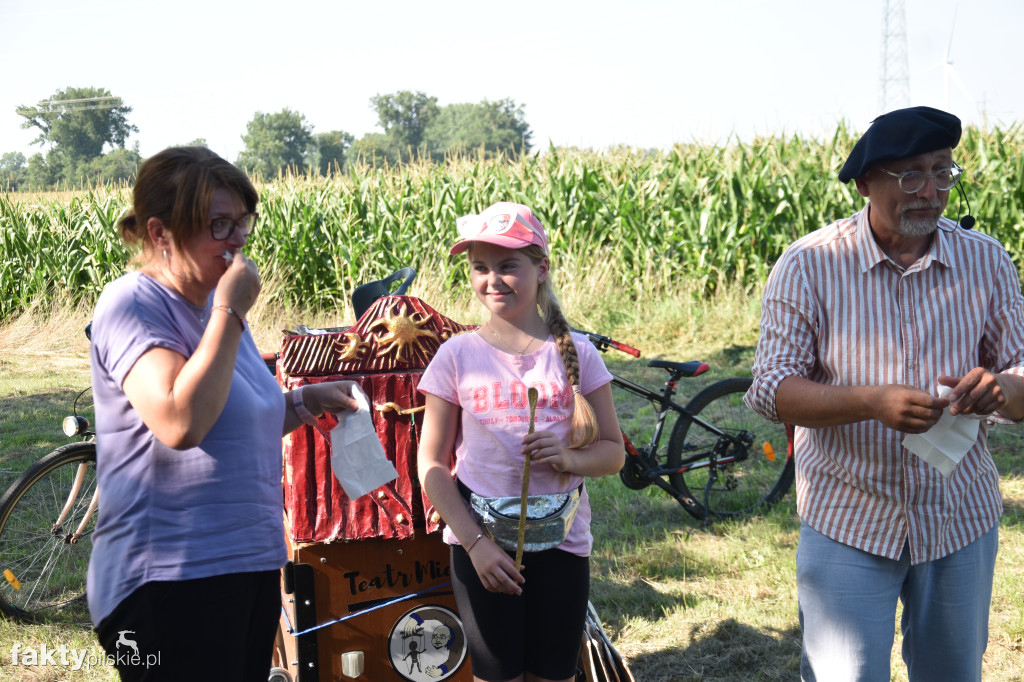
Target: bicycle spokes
x,y
726,454
46,520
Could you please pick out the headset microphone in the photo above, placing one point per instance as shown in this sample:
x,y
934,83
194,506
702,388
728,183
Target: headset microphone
x,y
966,222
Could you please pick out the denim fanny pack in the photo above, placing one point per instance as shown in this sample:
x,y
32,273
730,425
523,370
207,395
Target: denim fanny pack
x,y
548,517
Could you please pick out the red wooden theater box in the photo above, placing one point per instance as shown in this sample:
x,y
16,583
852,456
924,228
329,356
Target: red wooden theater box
x,y
372,572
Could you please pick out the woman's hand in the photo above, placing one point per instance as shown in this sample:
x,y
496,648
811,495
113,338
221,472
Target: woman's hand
x,y
544,447
495,568
239,285
330,396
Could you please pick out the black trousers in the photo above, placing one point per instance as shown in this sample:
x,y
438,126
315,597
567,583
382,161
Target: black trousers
x,y
218,628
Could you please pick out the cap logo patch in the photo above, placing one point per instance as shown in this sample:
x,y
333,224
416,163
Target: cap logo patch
x,y
500,223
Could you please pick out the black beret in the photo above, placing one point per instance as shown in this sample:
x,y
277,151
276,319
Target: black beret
x,y
901,134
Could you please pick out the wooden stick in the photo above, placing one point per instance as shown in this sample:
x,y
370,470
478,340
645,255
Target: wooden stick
x,y
531,395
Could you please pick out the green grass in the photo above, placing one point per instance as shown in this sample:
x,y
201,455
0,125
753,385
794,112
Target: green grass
x,y
681,601
38,385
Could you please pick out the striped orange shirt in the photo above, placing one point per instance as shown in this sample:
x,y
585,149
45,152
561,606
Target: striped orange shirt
x,y
836,310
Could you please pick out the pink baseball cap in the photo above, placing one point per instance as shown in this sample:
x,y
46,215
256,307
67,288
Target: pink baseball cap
x,y
506,224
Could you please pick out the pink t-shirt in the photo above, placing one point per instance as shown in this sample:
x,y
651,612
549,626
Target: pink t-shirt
x,y
490,386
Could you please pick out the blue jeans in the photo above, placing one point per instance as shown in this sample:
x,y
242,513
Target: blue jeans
x,y
848,610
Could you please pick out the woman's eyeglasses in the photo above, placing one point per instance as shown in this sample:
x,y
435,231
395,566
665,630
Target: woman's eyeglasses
x,y
222,228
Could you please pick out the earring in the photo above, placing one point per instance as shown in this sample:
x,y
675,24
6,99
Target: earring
x,y
165,257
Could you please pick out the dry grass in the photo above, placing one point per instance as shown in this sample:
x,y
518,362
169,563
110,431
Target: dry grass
x,y
54,333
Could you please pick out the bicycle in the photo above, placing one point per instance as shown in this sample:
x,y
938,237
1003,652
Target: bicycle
x,y
722,460
47,517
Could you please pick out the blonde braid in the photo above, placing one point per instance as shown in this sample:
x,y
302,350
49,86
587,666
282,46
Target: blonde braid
x,y
583,429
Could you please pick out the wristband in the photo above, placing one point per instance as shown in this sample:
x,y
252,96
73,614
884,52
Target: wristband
x,y
231,311
300,408
473,544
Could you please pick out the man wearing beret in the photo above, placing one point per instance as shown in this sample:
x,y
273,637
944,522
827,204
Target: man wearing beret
x,y
862,322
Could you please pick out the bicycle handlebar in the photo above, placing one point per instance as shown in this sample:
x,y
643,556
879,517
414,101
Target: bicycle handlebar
x,y
603,343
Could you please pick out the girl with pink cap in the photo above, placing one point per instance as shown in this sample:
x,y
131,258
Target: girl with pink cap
x,y
522,622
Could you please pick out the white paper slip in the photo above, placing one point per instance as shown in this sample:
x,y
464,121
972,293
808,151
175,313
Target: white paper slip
x,y
946,443
357,457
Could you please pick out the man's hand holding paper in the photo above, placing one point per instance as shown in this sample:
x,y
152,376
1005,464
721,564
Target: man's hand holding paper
x,y
946,443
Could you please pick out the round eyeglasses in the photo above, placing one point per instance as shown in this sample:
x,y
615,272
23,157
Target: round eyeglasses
x,y
222,228
913,181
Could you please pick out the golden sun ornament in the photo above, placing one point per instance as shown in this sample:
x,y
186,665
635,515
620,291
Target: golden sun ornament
x,y
352,349
404,332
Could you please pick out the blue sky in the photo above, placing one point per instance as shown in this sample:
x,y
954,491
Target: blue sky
x,y
592,74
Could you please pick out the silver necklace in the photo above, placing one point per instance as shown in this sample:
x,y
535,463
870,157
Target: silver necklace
x,y
507,344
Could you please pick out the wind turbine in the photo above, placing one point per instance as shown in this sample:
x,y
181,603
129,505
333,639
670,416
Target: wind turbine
x,y
949,72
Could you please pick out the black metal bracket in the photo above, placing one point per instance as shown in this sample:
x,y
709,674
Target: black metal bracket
x,y
299,582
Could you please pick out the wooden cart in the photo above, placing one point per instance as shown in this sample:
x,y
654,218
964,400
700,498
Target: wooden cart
x,y
366,594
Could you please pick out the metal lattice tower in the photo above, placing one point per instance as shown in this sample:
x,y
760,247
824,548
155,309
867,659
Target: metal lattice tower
x,y
895,79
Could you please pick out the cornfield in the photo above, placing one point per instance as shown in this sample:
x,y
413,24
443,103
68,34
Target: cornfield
x,y
699,214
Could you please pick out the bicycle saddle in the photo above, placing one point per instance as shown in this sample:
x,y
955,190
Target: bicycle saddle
x,y
686,369
364,295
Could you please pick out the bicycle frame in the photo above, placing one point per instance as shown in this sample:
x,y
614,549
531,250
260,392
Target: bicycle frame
x,y
718,450
665,405
72,498
76,425
654,473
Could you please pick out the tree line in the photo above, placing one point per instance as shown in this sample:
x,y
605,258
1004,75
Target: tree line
x,y
77,125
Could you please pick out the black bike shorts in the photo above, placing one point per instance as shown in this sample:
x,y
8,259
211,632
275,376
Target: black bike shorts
x,y
539,631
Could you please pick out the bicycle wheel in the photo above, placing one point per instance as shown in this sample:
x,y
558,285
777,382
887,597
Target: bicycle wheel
x,y
43,570
761,472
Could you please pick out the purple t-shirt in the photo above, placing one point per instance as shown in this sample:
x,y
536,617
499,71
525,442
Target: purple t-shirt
x,y
178,514
490,386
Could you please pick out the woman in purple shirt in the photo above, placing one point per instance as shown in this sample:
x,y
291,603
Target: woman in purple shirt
x,y
190,538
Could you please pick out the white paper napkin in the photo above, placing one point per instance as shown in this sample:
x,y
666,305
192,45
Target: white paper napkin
x,y
946,443
357,457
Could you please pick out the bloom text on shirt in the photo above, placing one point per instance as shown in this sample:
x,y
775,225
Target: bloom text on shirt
x,y
499,396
